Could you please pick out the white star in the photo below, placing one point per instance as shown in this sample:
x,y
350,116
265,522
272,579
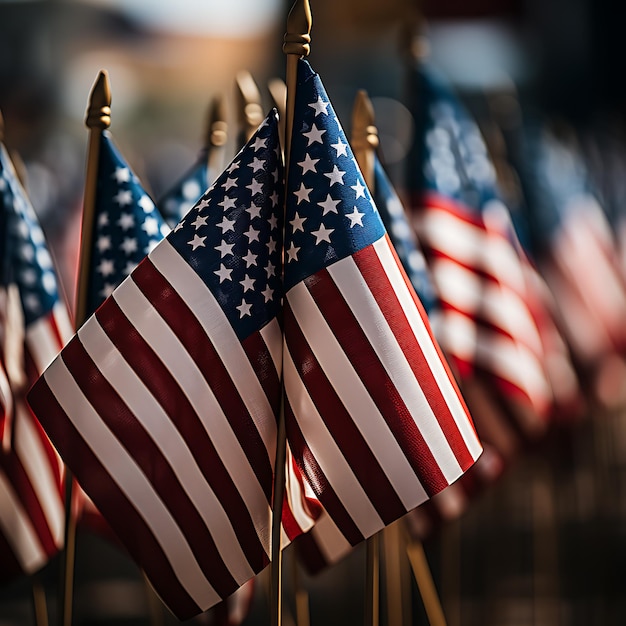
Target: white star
x,y
244,309
272,221
275,175
292,253
271,245
129,245
247,283
255,187
259,143
126,221
340,147
359,189
267,293
130,266
106,267
203,203
123,197
121,175
226,224
297,222
29,276
274,199
197,242
223,273
320,106
322,234
151,226
336,176
227,203
308,165
146,204
314,135
252,234
191,190
178,226
250,258
152,244
107,290
355,218
232,167
329,205
254,211
302,193
103,243
270,270
256,165
103,219
224,248
230,182
199,221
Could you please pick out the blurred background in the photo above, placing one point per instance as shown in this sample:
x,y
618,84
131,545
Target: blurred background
x,y
544,544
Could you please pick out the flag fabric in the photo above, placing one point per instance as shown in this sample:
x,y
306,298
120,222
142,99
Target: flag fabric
x,y
164,404
578,257
176,202
373,416
31,498
486,327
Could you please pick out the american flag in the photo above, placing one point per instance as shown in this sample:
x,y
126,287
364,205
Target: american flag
x,y
164,404
486,327
31,502
126,224
577,254
373,416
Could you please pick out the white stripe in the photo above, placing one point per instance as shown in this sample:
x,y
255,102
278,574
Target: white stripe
x,y
148,412
31,451
165,343
366,310
431,354
199,299
42,342
18,529
132,482
355,397
329,539
273,337
63,322
329,457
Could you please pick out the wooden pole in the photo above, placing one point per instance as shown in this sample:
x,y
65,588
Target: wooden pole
x,y
216,137
250,109
295,46
424,578
98,119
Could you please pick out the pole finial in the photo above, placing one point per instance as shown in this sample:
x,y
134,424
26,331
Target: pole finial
x,y
364,131
217,127
250,109
99,110
299,22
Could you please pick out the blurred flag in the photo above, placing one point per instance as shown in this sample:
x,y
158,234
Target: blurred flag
x,y
486,326
578,257
35,327
373,416
165,402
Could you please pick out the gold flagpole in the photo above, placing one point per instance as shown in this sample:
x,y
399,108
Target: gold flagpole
x,y
364,142
250,109
216,137
98,119
295,46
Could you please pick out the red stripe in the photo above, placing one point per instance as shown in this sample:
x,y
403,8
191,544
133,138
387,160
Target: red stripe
x,y
340,424
11,466
190,333
259,356
147,455
317,479
376,278
163,386
111,501
370,370
288,520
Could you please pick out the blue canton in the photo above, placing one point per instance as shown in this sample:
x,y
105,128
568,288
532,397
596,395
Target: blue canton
x,y
126,224
26,260
232,238
175,204
330,213
403,238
